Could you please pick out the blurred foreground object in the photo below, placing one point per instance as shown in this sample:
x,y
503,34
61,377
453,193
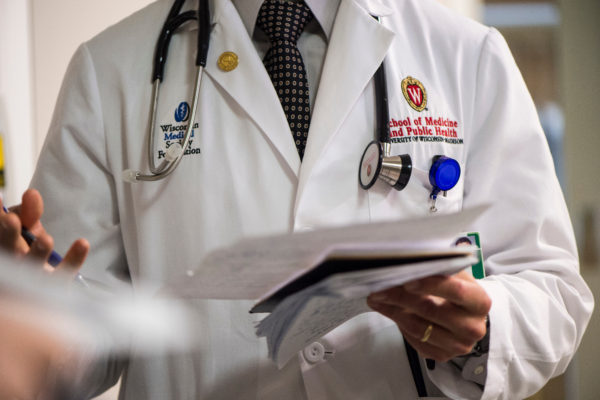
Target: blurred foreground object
x,y
50,329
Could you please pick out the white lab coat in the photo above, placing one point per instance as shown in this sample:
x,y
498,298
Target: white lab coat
x,y
246,179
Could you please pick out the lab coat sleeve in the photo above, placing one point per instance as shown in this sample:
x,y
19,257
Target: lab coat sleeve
x,y
540,303
78,192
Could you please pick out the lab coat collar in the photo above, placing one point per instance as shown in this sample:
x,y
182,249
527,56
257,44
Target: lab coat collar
x,y
357,47
376,8
324,12
355,32
249,84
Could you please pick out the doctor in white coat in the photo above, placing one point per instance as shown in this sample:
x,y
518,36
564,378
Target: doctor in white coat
x,y
242,176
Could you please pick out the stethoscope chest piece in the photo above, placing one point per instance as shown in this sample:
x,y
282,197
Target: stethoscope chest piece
x,y
394,170
443,176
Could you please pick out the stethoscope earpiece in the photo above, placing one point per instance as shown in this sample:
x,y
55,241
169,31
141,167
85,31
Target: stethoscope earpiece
x,y
393,170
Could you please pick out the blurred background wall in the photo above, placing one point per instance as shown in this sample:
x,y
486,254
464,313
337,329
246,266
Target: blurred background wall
x,y
579,66
556,44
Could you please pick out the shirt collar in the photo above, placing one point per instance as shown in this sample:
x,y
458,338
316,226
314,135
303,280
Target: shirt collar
x,y
324,12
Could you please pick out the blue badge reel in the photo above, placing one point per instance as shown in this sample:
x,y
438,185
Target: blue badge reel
x,y
443,176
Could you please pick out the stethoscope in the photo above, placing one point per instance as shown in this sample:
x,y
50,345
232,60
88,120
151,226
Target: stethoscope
x,y
377,163
175,152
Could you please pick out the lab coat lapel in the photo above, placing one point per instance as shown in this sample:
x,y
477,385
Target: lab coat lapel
x,y
249,84
357,47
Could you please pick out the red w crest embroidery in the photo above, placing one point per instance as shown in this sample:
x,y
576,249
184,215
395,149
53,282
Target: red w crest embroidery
x,y
415,93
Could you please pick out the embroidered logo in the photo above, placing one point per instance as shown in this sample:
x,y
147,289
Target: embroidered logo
x,y
415,93
182,112
173,131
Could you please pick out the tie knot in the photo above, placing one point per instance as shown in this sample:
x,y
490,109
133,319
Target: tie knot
x,y
283,20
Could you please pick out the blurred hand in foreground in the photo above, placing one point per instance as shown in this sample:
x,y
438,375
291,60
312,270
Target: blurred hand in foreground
x,y
33,360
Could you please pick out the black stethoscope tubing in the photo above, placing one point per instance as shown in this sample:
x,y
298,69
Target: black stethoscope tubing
x,y
174,20
376,162
382,106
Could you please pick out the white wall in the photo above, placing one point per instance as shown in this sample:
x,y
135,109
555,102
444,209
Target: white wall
x,y
16,90
59,26
37,40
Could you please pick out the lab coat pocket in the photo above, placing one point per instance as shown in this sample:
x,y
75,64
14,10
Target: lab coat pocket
x,y
386,203
445,201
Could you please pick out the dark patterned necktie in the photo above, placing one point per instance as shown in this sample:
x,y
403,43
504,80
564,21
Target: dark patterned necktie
x,y
283,22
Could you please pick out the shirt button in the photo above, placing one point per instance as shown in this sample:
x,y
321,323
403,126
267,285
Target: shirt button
x,y
314,353
479,370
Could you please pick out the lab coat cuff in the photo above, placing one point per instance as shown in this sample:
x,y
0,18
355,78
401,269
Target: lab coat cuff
x,y
500,351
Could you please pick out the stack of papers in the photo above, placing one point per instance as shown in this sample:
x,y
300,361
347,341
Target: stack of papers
x,y
311,282
299,317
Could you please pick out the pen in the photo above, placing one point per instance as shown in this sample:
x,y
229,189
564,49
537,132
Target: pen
x,y
54,259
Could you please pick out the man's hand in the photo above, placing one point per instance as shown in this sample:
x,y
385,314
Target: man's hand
x,y
442,317
28,214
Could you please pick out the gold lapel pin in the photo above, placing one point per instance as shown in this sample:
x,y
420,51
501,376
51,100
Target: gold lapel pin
x,y
228,61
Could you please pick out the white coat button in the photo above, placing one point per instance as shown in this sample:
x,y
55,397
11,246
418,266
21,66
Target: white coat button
x,y
314,353
479,370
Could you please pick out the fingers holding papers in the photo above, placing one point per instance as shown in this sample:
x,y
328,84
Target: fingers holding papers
x,y
442,317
